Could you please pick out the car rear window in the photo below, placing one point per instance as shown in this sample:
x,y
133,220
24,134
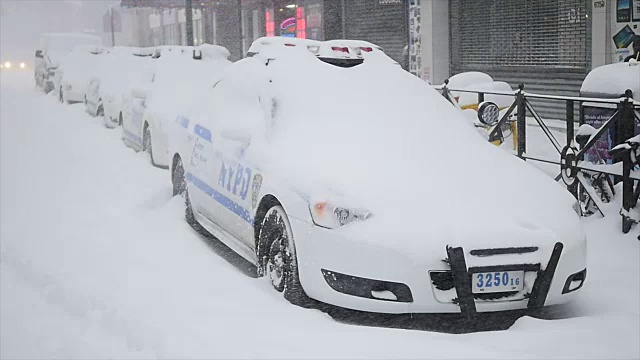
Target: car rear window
x,y
343,63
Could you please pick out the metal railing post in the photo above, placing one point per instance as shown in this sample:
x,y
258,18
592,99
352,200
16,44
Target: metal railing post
x,y
570,122
521,122
445,91
628,130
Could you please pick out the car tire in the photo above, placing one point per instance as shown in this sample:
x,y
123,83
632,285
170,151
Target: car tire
x,y
47,88
278,257
190,217
147,145
180,188
178,179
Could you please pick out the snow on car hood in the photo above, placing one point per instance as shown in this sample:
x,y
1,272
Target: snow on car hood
x,y
375,137
78,66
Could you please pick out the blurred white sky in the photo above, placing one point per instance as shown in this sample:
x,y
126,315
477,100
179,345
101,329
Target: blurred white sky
x,y
22,22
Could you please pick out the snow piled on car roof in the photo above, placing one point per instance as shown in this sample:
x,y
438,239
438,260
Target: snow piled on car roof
x,y
380,139
179,79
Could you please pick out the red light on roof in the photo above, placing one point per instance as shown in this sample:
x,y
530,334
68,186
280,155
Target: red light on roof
x,y
341,49
366,49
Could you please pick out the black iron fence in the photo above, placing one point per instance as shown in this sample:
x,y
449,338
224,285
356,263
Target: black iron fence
x,y
591,181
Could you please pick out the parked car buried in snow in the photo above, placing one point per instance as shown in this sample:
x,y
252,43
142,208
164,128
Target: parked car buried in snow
x,y
351,186
343,53
71,80
171,84
54,47
124,68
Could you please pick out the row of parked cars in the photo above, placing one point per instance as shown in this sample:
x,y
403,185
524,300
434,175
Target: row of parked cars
x,y
319,162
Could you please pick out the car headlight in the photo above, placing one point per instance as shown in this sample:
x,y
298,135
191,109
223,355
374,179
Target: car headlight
x,y
331,216
23,65
7,65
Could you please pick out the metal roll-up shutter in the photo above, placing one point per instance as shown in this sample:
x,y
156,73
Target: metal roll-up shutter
x,y
544,44
382,22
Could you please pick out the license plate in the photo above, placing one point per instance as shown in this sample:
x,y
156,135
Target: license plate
x,y
498,281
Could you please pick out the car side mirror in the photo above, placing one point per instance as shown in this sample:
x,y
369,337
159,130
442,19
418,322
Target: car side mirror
x,y
240,136
488,113
39,54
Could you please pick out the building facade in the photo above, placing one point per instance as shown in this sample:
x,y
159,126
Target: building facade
x,y
549,45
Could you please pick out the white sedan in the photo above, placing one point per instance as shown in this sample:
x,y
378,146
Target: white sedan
x,y
362,187
123,68
72,78
178,76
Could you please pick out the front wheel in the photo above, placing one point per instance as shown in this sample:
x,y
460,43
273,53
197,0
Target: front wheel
x,y
146,143
178,179
276,250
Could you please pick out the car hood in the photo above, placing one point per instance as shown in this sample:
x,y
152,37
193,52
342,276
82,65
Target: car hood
x,y
376,137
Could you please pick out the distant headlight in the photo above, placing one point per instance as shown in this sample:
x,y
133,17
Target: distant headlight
x,y
23,65
7,65
330,216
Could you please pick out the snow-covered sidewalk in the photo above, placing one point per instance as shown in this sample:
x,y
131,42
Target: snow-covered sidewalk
x,y
96,261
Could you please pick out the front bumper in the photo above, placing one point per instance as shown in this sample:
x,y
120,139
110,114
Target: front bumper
x,y
111,112
72,94
359,276
160,144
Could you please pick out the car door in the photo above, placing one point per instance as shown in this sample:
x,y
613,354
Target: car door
x,y
223,175
200,164
132,128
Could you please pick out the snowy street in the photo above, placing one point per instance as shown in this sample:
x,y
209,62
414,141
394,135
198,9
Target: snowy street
x,y
96,261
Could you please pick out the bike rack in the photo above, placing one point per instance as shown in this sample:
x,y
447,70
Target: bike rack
x,y
572,163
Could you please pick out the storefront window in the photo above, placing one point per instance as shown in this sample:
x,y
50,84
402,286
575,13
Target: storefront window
x,y
269,22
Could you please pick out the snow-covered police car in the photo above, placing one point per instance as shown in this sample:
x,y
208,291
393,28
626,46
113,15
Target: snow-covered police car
x,y
350,185
171,84
124,67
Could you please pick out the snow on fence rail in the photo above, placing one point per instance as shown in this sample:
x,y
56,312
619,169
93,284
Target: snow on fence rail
x,y
591,182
